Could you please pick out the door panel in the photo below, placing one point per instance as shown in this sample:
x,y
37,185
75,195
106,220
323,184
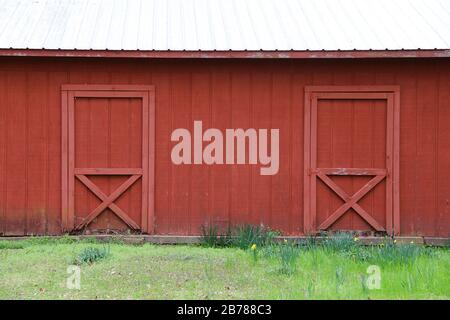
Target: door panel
x,y
108,134
108,158
351,134
350,140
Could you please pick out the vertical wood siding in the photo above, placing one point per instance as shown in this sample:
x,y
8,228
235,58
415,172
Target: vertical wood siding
x,y
223,94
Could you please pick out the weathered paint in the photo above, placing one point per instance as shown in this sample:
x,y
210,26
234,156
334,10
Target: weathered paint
x,y
223,94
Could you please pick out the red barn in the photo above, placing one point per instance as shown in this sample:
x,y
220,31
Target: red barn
x,y
161,116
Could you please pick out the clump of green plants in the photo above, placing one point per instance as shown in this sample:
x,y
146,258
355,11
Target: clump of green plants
x,y
90,255
270,251
340,242
387,253
11,245
288,253
359,254
310,242
212,237
241,236
245,236
391,253
284,253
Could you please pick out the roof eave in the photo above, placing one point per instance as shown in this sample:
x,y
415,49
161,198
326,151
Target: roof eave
x,y
308,54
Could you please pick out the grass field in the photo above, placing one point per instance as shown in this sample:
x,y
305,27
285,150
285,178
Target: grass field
x,y
37,269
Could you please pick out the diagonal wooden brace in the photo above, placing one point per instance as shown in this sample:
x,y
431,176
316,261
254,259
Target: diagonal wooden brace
x,y
351,202
108,201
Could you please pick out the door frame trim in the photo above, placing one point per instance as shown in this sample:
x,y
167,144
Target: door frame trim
x,y
68,94
391,93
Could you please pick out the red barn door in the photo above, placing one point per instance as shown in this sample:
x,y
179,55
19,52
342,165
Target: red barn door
x,y
108,143
351,159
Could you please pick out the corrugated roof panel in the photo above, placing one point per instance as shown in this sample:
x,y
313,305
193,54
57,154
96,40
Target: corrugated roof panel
x,y
13,17
299,31
44,24
218,26
246,28
103,22
7,9
224,25
56,32
72,25
117,26
378,34
333,24
161,28
262,31
146,25
231,24
88,27
322,28
402,34
189,27
415,24
433,19
202,25
131,26
276,25
23,28
306,27
367,31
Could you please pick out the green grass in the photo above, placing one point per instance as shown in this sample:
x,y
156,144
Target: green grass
x,y
11,245
239,236
37,269
90,255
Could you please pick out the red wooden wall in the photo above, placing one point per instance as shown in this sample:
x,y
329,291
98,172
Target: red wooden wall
x,y
223,94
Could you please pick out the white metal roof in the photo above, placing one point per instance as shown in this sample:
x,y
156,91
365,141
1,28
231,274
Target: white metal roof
x,y
235,25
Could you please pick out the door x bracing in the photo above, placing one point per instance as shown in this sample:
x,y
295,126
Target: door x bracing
x,y
95,106
107,201
374,103
350,201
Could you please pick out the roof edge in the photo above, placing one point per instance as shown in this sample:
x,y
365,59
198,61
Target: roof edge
x,y
308,54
